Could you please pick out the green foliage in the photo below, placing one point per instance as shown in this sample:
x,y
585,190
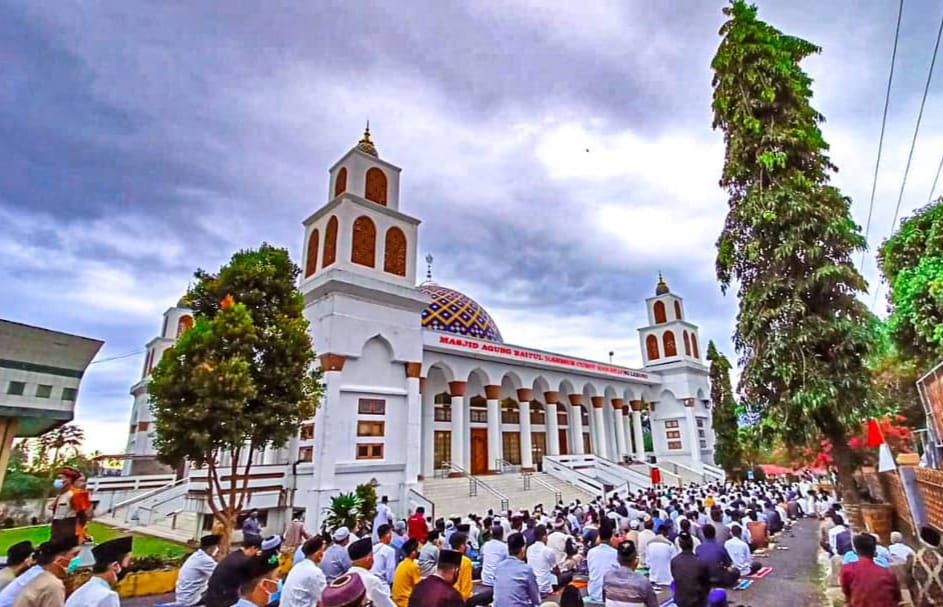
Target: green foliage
x,y
344,511
367,492
802,334
19,485
728,453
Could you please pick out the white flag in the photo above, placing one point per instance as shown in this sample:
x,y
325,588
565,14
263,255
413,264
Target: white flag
x,y
885,459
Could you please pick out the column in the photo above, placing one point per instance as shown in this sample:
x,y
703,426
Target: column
x,y
428,430
495,439
602,449
621,451
329,446
457,392
524,396
692,430
576,422
414,426
627,425
636,406
8,426
553,428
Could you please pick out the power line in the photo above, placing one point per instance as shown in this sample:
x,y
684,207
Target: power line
x,y
118,357
887,100
935,180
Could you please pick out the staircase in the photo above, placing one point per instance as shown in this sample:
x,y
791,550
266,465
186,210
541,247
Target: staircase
x,y
450,495
160,512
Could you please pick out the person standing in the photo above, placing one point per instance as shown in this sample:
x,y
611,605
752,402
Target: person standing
x,y
336,561
623,586
416,526
384,516
438,590
251,528
196,571
515,584
111,558
361,559
58,559
407,575
295,535
429,554
691,575
600,559
384,557
19,559
305,582
866,584
65,507
399,540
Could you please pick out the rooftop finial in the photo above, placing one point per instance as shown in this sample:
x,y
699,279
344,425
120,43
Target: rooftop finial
x,y
429,260
365,145
662,287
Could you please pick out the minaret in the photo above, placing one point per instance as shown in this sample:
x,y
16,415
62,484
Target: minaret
x,y
669,337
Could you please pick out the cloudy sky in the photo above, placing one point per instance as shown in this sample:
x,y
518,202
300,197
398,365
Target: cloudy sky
x,y
140,141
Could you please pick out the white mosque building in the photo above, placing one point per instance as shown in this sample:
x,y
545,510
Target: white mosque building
x,y
418,379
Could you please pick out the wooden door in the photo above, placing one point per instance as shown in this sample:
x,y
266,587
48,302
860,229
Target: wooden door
x,y
479,450
563,448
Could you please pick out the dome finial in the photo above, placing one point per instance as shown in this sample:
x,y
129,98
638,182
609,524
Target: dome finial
x,y
365,145
429,260
662,287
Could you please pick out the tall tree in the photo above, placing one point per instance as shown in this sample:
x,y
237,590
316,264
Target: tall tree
x,y
59,442
802,333
241,379
728,452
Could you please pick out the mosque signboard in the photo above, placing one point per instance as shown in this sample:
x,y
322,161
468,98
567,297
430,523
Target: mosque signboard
x,y
930,387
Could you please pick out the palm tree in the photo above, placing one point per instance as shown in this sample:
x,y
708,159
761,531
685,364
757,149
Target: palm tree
x,y
67,436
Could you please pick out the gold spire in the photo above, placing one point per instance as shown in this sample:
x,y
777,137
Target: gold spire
x,y
662,287
365,145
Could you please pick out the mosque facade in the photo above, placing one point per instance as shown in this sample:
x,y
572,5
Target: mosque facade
x,y
419,379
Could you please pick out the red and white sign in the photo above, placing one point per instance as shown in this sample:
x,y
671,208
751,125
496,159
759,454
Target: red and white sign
x,y
520,354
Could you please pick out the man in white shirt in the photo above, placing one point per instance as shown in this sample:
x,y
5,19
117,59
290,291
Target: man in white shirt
x,y
601,559
739,552
493,552
556,541
839,527
305,582
644,537
110,558
361,559
384,556
196,571
542,560
384,516
898,550
658,555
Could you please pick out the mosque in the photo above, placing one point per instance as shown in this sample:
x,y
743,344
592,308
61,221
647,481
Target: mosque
x,y
418,378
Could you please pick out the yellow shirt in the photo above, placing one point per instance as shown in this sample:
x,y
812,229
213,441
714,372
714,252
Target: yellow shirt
x,y
405,578
464,582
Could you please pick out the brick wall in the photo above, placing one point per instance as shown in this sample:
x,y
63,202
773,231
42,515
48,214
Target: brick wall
x,y
930,487
894,493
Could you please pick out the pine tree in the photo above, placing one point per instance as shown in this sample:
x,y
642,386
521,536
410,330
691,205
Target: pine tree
x,y
802,333
728,452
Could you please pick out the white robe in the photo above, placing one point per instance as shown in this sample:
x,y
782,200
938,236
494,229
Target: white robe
x,y
94,593
193,578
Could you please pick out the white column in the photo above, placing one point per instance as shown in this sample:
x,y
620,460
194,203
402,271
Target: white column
x,y
692,432
524,397
627,426
428,433
458,438
495,450
553,429
620,429
576,424
639,436
414,425
603,448
329,446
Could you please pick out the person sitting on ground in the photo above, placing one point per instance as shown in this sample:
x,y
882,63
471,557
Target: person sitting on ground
x,y
336,561
361,562
438,590
111,558
739,552
515,584
384,556
899,551
346,591
305,583
882,558
492,553
717,559
58,559
623,586
195,573
257,581
864,583
222,590
759,536
646,535
659,553
544,563
407,575
429,554
459,543
19,559
839,536
691,576
600,559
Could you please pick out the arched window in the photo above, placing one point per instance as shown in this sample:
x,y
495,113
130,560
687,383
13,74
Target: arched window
x,y
671,349
340,182
660,315
678,310
363,246
183,324
687,344
651,345
394,252
330,243
375,189
311,263
694,346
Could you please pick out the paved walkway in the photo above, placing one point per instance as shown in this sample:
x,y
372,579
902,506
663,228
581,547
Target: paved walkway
x,y
795,579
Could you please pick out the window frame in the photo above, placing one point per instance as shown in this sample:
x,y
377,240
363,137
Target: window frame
x,y
371,447
46,393
70,394
364,406
371,423
19,390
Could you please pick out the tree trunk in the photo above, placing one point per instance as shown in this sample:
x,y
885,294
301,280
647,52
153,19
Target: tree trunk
x,y
842,455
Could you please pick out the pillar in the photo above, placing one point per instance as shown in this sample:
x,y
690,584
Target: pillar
x,y
458,438
329,446
692,430
621,451
8,426
495,439
627,426
636,406
524,396
553,428
414,425
602,448
428,430
576,422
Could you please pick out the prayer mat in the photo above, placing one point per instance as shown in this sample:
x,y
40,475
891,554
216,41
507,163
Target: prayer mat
x,y
580,583
669,603
762,573
743,585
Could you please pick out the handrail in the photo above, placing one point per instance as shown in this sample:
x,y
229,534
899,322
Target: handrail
x,y
425,499
641,479
690,469
587,479
557,494
146,495
474,482
504,465
715,470
661,469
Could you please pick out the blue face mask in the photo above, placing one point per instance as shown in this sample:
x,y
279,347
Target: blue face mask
x,y
72,566
58,483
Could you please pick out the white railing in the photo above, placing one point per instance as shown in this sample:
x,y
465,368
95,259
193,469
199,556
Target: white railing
x,y
667,477
474,483
529,477
145,496
414,499
561,470
715,471
129,483
634,480
168,503
702,474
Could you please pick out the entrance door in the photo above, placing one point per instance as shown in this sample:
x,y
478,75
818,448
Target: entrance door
x,y
479,450
563,449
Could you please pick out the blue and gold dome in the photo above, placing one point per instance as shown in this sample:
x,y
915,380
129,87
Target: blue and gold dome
x,y
454,312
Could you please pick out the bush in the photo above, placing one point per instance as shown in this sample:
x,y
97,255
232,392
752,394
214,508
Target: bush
x,y
20,486
9,523
367,492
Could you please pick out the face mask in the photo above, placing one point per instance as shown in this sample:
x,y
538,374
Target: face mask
x,y
58,483
71,566
273,595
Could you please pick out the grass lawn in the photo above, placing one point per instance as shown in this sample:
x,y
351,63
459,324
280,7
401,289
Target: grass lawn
x,y
144,545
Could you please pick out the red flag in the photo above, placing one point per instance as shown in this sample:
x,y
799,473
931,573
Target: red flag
x,y
875,438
